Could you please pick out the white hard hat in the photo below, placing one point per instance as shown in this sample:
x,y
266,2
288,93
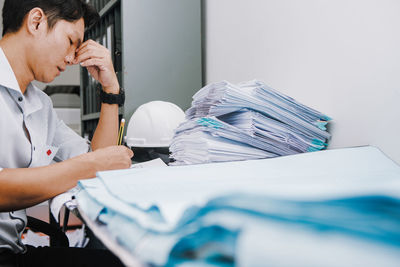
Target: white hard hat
x,y
153,124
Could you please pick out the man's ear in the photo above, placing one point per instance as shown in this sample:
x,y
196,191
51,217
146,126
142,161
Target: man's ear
x,y
36,20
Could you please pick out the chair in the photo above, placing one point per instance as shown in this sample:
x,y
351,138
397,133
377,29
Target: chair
x,y
53,230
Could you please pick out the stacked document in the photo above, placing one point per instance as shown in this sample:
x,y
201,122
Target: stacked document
x,y
208,148
299,210
250,114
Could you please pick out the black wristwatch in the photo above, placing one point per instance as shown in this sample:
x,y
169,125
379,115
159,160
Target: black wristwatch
x,y
113,98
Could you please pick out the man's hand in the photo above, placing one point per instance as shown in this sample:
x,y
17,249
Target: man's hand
x,y
97,59
110,158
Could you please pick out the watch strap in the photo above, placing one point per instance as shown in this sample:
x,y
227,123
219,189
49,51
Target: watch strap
x,y
113,98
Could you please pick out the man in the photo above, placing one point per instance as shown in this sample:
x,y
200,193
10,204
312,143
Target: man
x,y
40,39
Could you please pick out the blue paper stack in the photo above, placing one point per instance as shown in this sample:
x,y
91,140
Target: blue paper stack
x,y
328,208
246,121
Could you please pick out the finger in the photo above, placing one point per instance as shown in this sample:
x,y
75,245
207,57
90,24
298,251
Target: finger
x,y
130,153
94,62
128,163
99,49
88,55
86,43
93,51
126,150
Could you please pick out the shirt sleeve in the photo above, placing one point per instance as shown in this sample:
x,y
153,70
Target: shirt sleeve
x,y
69,143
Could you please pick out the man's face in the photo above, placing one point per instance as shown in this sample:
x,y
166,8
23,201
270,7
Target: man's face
x,y
56,49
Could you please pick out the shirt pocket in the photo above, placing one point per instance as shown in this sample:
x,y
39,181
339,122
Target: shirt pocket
x,y
43,156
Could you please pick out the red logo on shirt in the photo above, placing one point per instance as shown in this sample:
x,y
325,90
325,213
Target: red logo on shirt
x,y
48,152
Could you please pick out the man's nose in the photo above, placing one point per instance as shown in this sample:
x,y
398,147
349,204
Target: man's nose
x,y
69,59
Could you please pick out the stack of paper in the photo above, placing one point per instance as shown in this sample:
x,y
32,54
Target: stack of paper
x,y
250,114
302,209
208,148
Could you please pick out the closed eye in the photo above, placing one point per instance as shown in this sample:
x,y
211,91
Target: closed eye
x,y
70,41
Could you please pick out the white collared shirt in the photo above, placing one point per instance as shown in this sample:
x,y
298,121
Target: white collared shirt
x,y
49,139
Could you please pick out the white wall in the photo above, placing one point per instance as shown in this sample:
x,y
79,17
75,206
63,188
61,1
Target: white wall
x,y
340,57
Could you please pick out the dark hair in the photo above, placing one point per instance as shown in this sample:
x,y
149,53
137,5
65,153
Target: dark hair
x,y
14,12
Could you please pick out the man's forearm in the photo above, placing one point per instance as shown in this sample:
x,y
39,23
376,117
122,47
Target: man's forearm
x,y
24,187
106,133
98,61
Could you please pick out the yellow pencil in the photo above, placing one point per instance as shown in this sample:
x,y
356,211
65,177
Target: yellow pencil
x,y
121,132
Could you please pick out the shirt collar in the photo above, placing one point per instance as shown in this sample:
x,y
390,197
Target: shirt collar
x,y
8,79
33,99
7,76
